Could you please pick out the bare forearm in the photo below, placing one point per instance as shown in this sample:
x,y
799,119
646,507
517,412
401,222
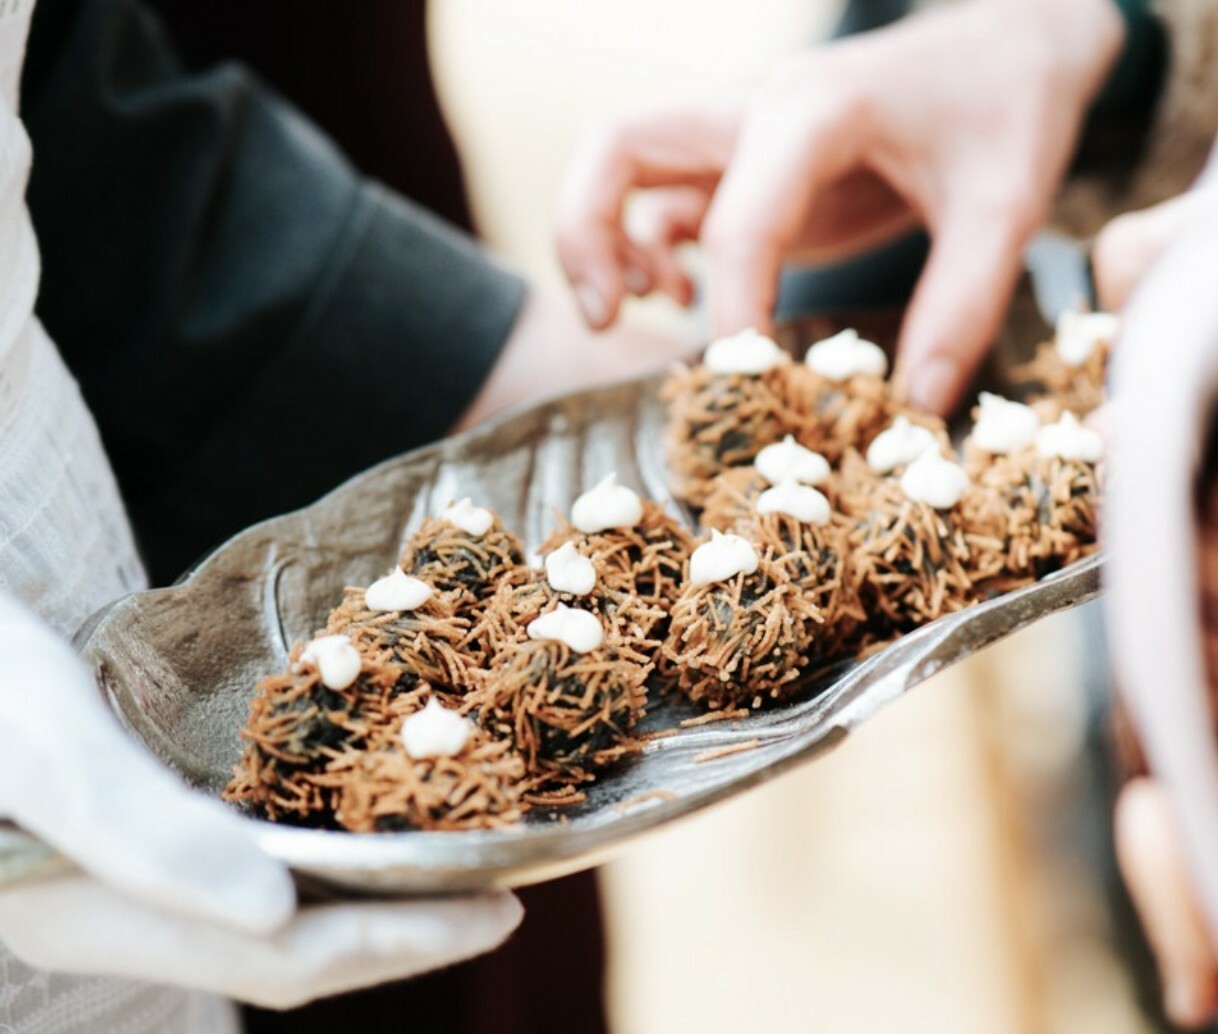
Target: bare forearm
x,y
551,350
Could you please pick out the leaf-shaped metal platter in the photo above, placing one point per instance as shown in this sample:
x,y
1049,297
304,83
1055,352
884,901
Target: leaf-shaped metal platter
x,y
179,665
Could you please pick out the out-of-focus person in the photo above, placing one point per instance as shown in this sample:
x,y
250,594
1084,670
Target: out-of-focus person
x,y
1162,543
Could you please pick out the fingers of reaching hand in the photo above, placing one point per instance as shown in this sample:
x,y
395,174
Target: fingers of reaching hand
x,y
674,148
658,222
74,924
71,776
789,149
958,306
589,235
1149,850
858,212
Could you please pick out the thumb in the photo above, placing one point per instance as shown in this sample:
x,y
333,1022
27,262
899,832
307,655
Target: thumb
x,y
958,307
71,776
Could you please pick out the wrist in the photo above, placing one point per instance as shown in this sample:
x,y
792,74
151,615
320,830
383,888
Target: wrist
x,y
1079,41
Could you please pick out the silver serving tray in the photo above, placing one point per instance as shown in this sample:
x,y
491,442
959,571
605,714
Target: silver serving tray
x,y
179,664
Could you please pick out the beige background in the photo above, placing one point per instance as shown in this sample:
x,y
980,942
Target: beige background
x,y
905,883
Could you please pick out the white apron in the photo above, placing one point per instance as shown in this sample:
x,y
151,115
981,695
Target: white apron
x,y
65,549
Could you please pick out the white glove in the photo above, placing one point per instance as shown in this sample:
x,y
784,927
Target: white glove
x,y
172,887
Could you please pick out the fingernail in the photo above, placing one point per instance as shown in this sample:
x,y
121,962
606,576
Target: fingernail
x,y
591,303
931,384
636,280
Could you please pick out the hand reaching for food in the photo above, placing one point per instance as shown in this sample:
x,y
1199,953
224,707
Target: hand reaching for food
x,y
844,148
169,886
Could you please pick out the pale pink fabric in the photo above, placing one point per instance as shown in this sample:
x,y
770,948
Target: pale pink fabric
x,y
1166,381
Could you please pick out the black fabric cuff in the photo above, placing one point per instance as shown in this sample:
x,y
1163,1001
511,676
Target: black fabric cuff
x,y
406,329
405,326
1134,84
1119,121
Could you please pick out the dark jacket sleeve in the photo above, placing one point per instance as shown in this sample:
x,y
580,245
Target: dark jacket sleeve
x,y
251,321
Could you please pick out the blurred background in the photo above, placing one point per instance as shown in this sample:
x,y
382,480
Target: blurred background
x,y
945,871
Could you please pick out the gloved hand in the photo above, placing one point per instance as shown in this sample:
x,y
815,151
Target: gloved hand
x,y
171,886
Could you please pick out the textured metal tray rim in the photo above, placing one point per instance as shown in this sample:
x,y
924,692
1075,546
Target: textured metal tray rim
x,y
428,861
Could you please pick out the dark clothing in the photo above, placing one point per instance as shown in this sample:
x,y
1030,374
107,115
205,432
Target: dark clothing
x,y
253,322
250,320
376,99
